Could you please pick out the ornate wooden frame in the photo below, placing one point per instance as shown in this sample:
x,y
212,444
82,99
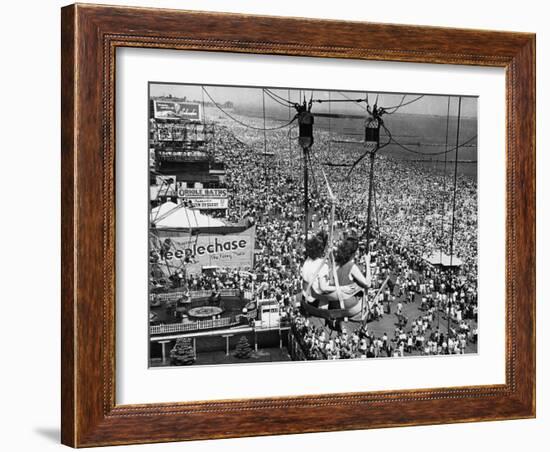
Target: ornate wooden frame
x,y
90,35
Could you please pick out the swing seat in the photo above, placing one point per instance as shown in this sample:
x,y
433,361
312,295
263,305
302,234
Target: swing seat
x,y
352,305
348,294
327,314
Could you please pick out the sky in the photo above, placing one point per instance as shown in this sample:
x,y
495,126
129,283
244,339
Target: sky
x,y
253,97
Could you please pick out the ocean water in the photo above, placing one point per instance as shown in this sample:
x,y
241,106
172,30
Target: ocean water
x,y
426,134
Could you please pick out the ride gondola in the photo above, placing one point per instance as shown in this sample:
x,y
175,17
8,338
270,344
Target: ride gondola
x,y
350,298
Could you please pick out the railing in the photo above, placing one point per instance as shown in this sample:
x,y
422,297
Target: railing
x,y
200,294
182,155
230,292
195,294
167,296
206,293
281,324
193,326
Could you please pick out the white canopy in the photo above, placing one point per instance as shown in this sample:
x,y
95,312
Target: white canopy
x,y
172,215
438,258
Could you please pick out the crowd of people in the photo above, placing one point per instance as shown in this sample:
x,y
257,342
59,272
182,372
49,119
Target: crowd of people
x,y
421,339
412,216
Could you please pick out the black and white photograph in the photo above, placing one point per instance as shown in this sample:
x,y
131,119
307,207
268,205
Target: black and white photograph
x,y
294,224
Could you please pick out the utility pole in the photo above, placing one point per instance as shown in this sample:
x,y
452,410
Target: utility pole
x,y
306,193
265,136
372,139
305,139
369,205
453,221
456,168
444,198
289,135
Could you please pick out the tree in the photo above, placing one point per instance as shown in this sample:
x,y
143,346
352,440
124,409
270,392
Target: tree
x,y
243,349
182,354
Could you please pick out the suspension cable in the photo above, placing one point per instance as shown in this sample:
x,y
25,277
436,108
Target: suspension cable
x,y
360,100
355,101
329,127
444,197
273,98
289,132
354,164
314,185
405,148
204,119
265,136
281,99
243,123
376,208
395,107
455,179
196,223
159,194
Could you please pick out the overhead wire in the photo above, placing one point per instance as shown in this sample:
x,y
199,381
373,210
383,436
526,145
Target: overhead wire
x,y
329,126
405,148
289,132
243,123
444,180
395,108
314,185
376,208
280,98
455,180
191,207
159,194
401,104
379,147
265,136
274,99
206,142
357,101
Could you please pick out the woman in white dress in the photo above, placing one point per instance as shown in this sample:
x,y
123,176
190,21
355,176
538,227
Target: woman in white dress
x,y
315,271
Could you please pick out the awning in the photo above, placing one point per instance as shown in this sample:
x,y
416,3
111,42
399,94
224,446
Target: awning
x,y
444,260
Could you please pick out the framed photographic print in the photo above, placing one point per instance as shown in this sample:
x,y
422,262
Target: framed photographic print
x,y
280,225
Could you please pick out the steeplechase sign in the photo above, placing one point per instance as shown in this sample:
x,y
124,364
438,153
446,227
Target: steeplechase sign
x,y
234,250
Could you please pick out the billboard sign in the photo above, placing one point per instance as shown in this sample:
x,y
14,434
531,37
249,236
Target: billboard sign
x,y
171,132
205,198
208,203
189,193
170,109
234,250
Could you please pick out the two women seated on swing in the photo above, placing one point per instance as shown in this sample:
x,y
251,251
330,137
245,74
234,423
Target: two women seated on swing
x,y
334,281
